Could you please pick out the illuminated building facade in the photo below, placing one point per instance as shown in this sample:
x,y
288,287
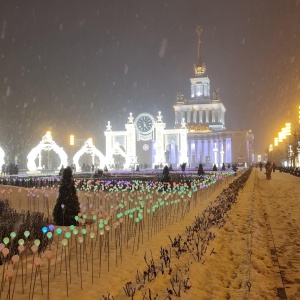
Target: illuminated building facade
x,y
199,135
208,141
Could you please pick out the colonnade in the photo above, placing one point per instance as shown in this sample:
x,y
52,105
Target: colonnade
x,y
200,116
210,151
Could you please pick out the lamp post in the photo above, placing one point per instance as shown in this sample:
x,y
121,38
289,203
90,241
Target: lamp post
x,y
72,143
288,127
270,152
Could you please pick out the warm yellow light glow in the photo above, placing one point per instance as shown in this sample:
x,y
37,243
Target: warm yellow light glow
x,y
270,148
288,127
275,141
72,140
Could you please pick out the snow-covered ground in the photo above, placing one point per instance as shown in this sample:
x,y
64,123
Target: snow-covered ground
x,y
255,255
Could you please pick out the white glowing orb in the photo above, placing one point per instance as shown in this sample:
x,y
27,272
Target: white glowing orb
x,y
46,144
89,148
2,155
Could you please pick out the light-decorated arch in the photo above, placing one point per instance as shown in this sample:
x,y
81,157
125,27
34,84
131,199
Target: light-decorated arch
x,y
46,144
2,155
89,148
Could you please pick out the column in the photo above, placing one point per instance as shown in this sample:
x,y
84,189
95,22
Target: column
x,y
177,117
183,146
228,151
182,116
205,150
211,147
196,152
222,152
195,116
206,116
188,113
201,151
215,150
189,151
131,143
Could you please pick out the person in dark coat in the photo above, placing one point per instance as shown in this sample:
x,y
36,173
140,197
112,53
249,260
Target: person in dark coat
x,y
268,167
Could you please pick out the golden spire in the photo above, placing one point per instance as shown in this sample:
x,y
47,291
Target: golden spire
x,y
199,67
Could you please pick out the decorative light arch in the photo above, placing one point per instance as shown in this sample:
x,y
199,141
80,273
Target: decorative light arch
x,y
46,144
89,148
2,155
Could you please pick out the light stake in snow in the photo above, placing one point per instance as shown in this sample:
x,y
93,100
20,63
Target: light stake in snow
x,y
5,252
68,236
75,232
15,260
80,241
64,243
37,263
9,273
33,249
101,233
92,236
48,255
58,232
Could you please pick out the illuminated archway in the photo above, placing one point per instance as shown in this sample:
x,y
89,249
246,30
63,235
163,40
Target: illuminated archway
x,y
89,148
46,144
2,155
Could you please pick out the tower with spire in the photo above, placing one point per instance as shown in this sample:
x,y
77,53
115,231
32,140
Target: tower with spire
x,y
202,113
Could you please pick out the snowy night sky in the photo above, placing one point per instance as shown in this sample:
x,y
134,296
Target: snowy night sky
x,y
70,66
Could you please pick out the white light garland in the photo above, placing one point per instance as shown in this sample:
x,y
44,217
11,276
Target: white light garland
x,y
2,155
46,144
89,148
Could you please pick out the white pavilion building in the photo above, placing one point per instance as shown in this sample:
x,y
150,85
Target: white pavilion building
x,y
199,134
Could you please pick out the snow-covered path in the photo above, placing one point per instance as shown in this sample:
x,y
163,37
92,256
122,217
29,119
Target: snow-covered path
x,y
281,197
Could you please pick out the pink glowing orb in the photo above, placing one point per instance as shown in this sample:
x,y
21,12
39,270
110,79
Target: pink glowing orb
x,y
37,261
48,254
34,248
21,248
15,259
5,252
10,273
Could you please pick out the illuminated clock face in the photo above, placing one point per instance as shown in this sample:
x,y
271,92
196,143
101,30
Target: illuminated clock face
x,y
144,123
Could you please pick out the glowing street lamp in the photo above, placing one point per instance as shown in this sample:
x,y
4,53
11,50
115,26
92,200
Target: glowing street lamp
x,y
72,140
276,141
288,128
270,148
